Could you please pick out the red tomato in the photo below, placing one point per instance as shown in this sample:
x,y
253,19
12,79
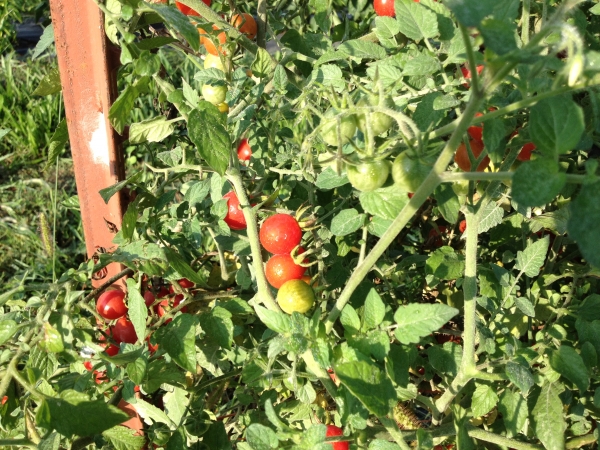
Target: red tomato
x,y
435,236
526,150
123,331
384,8
244,151
461,158
245,23
185,283
151,347
235,216
112,350
149,298
208,43
189,11
88,365
162,292
282,268
332,430
279,234
467,73
476,132
4,400
100,376
110,305
462,226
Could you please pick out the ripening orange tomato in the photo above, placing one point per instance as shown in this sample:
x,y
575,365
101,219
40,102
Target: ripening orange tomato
x,y
246,24
461,158
208,43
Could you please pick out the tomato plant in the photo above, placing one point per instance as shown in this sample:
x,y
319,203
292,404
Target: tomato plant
x,y
280,233
444,306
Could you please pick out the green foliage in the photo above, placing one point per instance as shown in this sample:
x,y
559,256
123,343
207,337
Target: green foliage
x,y
426,330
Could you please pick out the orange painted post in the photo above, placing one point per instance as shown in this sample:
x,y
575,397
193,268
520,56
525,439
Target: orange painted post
x,y
88,66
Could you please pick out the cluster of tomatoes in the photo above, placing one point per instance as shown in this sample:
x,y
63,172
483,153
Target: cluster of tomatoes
x,y
111,306
218,55
280,235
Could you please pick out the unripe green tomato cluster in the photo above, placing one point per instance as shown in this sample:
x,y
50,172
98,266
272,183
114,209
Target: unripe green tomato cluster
x,y
216,94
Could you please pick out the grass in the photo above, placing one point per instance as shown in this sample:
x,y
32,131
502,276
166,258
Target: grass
x,y
26,190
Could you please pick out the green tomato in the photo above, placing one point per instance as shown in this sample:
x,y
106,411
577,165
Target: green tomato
x,y
380,122
368,176
409,173
329,130
212,61
214,94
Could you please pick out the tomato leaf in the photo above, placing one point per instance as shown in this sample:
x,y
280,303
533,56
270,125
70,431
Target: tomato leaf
x,y
260,437
218,326
180,23
537,182
569,364
445,359
384,202
7,329
547,418
415,21
347,222
419,320
151,130
276,321
583,223
556,125
484,400
513,408
445,264
75,414
530,260
138,311
206,128
499,35
520,376
471,12
123,438
373,311
178,339
369,384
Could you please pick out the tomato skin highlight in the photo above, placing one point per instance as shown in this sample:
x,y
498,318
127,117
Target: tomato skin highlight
x,y
244,151
409,173
110,304
526,150
235,216
189,11
368,176
384,8
461,158
280,233
332,431
246,24
282,268
123,331
295,296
